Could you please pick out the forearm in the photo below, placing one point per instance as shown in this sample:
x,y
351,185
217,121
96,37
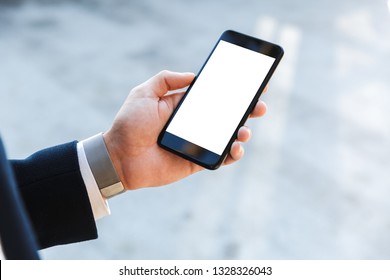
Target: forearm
x,y
55,196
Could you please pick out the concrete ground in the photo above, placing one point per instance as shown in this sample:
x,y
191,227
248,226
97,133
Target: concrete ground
x,y
315,181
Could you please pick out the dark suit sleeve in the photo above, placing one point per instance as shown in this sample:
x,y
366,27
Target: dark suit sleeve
x,y
55,196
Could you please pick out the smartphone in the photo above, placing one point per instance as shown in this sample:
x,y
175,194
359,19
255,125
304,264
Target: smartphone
x,y
219,100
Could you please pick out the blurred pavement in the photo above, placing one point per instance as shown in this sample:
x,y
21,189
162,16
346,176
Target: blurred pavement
x,y
315,181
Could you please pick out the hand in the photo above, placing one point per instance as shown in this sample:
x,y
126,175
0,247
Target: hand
x,y
132,139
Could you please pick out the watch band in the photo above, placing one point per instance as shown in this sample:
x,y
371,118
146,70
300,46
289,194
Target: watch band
x,y
102,167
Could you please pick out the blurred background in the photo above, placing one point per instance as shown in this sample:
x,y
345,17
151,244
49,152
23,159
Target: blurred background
x,y
315,180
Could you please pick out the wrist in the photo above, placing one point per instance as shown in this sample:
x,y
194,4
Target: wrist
x,y
102,166
115,155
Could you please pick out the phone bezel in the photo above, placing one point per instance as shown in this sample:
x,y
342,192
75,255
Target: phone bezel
x,y
200,155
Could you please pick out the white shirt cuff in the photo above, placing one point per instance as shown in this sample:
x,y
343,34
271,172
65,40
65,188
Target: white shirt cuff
x,y
2,256
99,204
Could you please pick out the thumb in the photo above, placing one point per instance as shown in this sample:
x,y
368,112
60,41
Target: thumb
x,y
160,84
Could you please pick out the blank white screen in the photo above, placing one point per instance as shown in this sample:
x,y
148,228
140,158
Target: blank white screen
x,y
220,97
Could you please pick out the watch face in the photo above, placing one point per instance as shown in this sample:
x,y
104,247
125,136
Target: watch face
x,y
101,166
112,190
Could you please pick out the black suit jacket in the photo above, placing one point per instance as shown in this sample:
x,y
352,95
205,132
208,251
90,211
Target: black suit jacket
x,y
54,195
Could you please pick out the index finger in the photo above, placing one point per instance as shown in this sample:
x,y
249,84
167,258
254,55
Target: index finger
x,y
259,110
